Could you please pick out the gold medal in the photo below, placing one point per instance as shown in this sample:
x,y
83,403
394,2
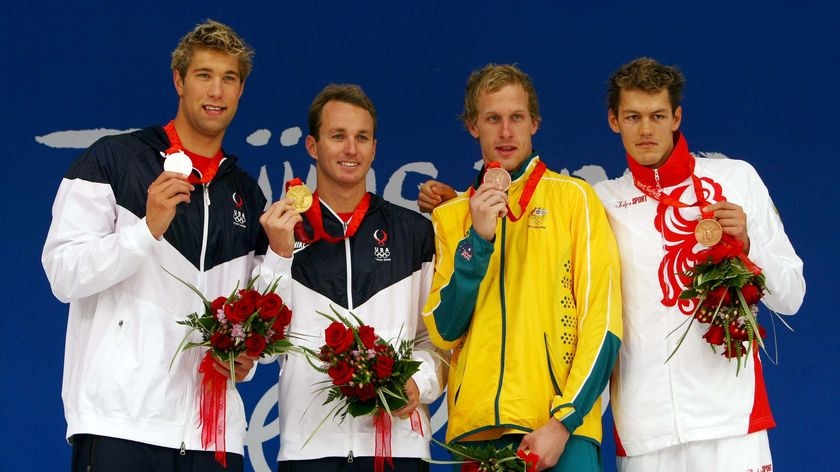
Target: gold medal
x,y
498,176
302,197
708,232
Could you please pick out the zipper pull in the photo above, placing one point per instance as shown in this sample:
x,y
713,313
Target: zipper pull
x,y
206,195
350,457
183,449
658,184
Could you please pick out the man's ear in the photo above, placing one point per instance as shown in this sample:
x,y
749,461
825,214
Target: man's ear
x,y
613,121
312,146
677,119
179,82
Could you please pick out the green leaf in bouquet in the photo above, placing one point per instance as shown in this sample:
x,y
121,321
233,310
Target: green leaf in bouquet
x,y
358,408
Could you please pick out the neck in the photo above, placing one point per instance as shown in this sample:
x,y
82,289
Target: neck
x,y
341,200
196,142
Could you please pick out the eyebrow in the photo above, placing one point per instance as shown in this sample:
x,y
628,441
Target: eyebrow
x,y
344,130
210,69
630,110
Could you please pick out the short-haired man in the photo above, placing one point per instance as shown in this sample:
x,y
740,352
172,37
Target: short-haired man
x,y
691,412
359,254
120,221
526,290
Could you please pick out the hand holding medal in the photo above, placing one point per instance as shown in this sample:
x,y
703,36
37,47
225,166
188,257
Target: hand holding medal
x,y
494,173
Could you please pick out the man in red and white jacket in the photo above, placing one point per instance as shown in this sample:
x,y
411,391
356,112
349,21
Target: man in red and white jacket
x,y
690,412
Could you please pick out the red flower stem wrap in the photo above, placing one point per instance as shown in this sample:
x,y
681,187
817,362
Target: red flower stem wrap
x,y
382,428
530,460
212,407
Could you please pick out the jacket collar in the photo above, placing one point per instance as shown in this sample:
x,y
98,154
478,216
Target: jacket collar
x,y
678,167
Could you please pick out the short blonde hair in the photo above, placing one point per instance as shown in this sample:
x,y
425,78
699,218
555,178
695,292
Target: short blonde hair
x,y
213,35
491,78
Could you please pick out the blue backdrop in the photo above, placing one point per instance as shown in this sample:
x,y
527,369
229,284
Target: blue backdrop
x,y
761,87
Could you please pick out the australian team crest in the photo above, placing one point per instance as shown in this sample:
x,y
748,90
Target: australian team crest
x,y
536,219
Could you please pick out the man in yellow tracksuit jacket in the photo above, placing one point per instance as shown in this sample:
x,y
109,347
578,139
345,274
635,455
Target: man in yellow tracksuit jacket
x,y
526,291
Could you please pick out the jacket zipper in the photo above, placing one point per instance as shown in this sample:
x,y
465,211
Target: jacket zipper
x,y
659,191
349,270
205,190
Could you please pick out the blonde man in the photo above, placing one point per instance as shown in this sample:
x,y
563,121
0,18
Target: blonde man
x,y
119,221
526,290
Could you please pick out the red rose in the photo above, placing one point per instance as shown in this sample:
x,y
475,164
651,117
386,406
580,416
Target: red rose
x,y
242,310
279,329
383,349
221,341
338,337
341,374
761,332
733,350
362,392
255,344
714,335
738,332
270,305
216,305
727,247
714,296
284,318
383,367
752,294
249,294
367,335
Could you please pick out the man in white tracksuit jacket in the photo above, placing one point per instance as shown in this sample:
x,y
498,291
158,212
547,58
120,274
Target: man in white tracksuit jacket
x,y
691,412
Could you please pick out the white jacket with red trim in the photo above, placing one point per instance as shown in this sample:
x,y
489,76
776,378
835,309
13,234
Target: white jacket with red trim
x,y
696,395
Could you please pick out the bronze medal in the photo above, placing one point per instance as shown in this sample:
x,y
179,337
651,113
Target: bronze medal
x,y
708,232
302,197
498,176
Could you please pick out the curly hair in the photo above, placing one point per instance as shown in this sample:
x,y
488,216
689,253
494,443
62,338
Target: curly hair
x,y
213,35
491,78
647,75
346,93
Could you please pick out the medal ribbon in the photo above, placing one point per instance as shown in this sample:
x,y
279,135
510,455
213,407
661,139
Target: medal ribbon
x,y
212,407
382,432
662,197
313,215
527,192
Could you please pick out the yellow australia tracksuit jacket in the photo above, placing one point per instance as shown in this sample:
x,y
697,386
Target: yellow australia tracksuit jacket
x,y
534,317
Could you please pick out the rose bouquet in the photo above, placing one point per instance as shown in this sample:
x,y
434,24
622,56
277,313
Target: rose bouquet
x,y
486,457
727,287
246,321
367,376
